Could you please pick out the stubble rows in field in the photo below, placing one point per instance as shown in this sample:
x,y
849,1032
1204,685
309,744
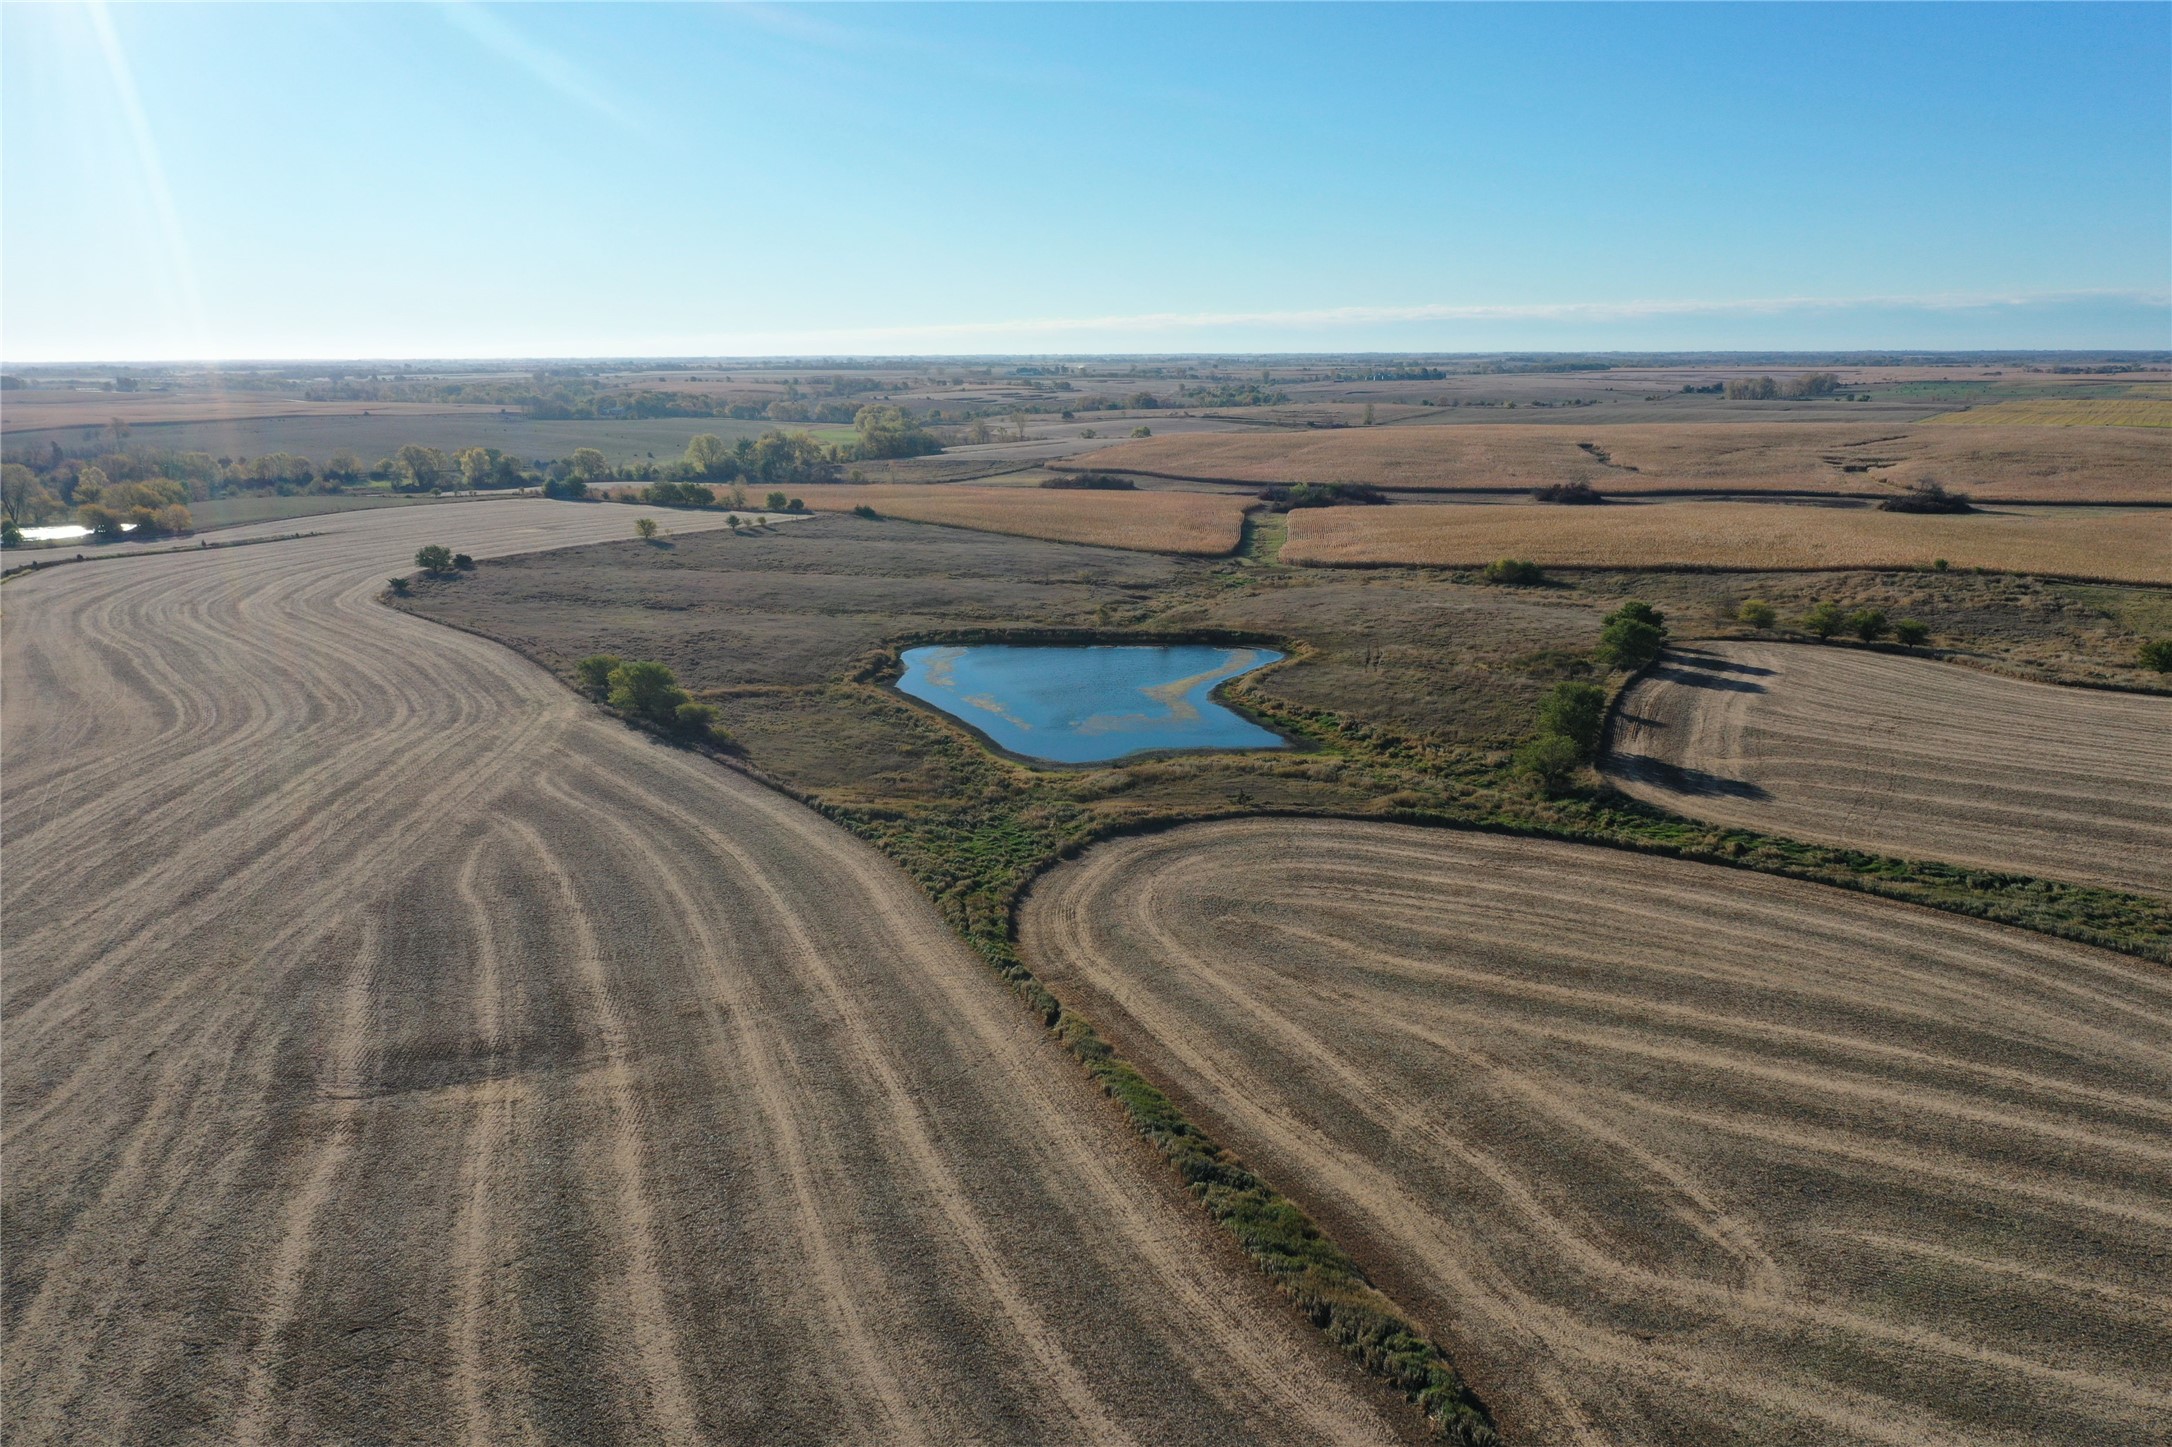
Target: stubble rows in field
x,y
396,1050
1906,757
1668,1153
2108,543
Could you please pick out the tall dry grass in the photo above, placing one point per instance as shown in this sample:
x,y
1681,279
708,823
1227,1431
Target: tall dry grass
x,y
2012,464
1153,522
2126,545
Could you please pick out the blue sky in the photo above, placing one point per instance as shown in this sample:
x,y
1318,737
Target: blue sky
x,y
457,181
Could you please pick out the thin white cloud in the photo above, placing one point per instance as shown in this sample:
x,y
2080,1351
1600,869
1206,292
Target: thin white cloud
x,y
1150,325
547,66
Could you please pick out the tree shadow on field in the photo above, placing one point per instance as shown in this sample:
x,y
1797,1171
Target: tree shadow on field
x,y
1702,670
1643,769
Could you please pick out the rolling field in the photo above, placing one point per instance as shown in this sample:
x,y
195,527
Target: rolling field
x,y
1908,757
2065,412
1154,522
2123,546
398,1050
2012,464
65,413
1667,1153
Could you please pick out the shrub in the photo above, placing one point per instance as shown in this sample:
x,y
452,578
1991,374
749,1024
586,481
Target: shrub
x,y
434,558
1823,621
864,511
1550,759
399,587
1632,635
645,691
777,502
595,673
1927,496
645,529
1573,494
1092,482
1521,572
1867,624
2157,654
1575,711
1758,613
1142,432
1910,632
463,562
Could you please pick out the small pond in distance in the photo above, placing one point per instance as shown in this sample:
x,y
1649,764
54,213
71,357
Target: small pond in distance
x,y
1083,704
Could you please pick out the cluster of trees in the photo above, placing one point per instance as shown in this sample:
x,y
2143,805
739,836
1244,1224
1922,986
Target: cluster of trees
x,y
150,505
2156,654
1280,498
1764,389
1517,572
1572,494
1632,635
648,693
1827,620
1570,720
1234,394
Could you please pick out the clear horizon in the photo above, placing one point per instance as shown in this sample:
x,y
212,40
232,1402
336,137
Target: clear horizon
x,y
459,183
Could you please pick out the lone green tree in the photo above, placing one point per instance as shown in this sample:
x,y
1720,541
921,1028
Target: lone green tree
x,y
2157,654
434,558
645,529
588,464
1576,711
1910,632
1758,614
1632,635
1550,759
1868,624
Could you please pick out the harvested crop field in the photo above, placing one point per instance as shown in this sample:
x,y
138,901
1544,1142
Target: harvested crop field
x,y
2064,412
2117,545
1154,522
1906,756
398,1050
2012,464
1667,1153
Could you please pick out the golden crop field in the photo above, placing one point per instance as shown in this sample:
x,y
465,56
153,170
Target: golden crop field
x,y
2115,543
33,410
2008,464
1154,522
2064,412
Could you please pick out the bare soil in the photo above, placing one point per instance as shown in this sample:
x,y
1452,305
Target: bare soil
x,y
1906,756
1668,1153
398,1050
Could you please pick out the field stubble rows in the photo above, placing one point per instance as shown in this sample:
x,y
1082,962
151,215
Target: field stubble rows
x,y
1907,757
1668,1153
397,1050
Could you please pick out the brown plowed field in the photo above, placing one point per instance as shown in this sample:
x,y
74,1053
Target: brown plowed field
x,y
2118,544
397,1050
1670,1154
2011,464
1906,756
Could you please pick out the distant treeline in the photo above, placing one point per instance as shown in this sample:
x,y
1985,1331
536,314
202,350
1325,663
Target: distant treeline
x,y
149,488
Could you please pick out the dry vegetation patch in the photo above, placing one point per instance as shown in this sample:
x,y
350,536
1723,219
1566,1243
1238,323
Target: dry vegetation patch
x,y
1670,1154
1906,756
1156,522
2010,463
2126,546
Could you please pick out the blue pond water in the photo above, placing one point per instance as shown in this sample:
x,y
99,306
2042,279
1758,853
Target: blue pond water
x,y
1084,704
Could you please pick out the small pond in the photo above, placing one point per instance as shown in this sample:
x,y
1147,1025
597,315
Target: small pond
x,y
1083,704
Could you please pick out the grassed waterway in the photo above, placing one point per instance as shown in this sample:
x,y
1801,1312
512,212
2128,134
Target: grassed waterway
x,y
1085,704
